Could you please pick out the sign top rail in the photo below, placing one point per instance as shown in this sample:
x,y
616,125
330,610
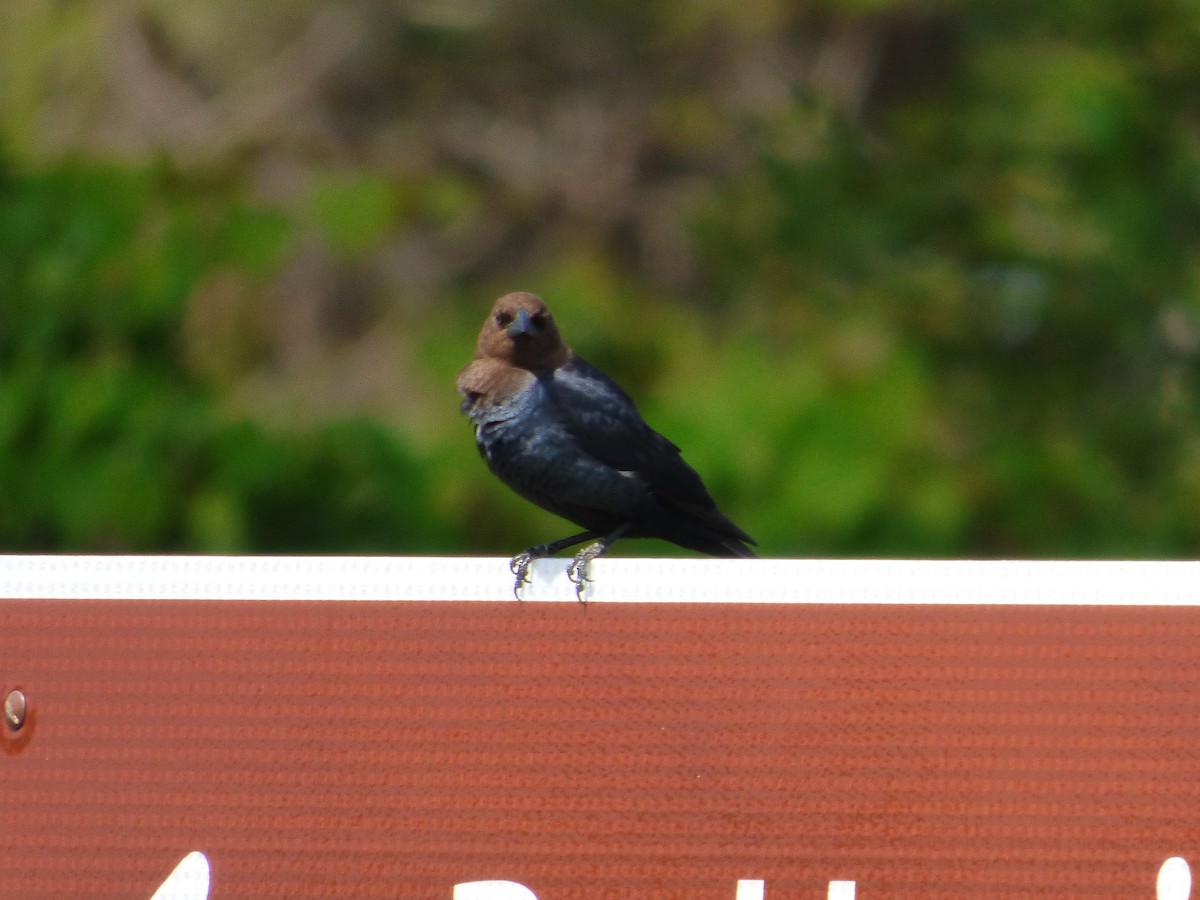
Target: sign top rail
x,y
628,580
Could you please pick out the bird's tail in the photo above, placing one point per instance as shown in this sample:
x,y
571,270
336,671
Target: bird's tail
x,y
730,547
715,540
704,528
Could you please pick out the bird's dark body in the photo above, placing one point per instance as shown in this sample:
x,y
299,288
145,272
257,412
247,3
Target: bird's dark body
x,y
573,442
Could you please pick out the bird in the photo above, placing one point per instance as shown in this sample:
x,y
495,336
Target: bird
x,y
566,437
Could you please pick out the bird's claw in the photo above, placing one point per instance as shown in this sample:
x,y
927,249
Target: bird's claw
x,y
519,565
579,570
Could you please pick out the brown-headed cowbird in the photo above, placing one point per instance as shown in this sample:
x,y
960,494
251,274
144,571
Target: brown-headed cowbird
x,y
560,433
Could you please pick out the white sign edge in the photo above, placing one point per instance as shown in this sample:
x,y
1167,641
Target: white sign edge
x,y
644,580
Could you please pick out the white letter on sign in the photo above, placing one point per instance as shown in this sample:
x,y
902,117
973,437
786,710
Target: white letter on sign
x,y
1174,880
492,890
189,881
750,889
841,890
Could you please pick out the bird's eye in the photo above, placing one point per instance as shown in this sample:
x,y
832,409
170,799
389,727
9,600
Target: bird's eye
x,y
539,319
504,319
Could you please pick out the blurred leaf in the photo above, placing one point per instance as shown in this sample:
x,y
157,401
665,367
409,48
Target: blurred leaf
x,y
353,211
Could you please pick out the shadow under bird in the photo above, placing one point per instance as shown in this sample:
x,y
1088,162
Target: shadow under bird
x,y
562,434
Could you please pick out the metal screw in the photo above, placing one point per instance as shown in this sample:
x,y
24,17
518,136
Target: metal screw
x,y
15,707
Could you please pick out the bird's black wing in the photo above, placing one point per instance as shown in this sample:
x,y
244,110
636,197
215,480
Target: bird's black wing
x,y
607,426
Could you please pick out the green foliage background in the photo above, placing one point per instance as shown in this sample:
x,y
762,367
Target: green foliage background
x,y
942,302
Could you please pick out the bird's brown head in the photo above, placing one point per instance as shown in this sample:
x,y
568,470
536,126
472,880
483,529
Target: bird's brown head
x,y
521,331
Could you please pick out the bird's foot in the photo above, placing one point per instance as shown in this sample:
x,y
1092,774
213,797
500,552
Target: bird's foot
x,y
579,568
519,565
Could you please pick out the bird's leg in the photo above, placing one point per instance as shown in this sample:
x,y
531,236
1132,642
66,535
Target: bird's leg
x,y
519,565
577,570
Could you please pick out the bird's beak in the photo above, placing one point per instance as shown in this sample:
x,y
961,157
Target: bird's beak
x,y
521,326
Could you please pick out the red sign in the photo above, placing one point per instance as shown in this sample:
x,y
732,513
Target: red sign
x,y
502,750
